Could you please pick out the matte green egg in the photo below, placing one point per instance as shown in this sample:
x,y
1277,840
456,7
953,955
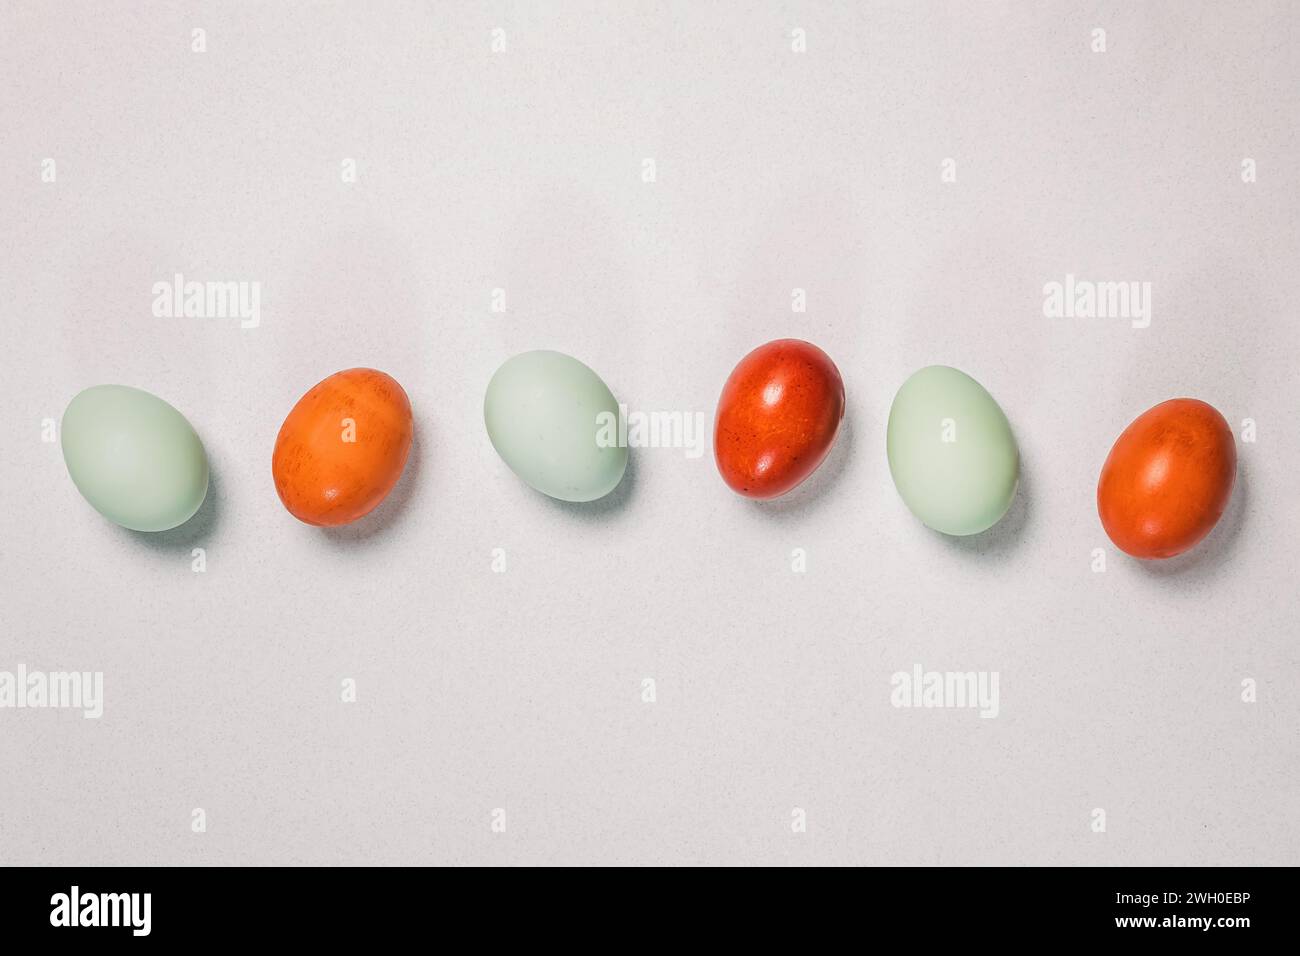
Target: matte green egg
x,y
134,458
547,416
951,452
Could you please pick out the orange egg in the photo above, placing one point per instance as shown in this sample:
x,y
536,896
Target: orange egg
x,y
1167,479
343,447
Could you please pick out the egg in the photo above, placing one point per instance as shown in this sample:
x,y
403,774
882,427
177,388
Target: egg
x,y
546,414
342,447
135,458
1167,479
951,452
777,418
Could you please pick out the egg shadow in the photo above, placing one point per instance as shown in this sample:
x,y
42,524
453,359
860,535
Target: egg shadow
x,y
198,528
1001,539
820,486
1207,557
600,508
391,509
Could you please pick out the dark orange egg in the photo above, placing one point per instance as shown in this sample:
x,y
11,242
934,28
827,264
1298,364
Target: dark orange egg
x,y
777,418
1167,479
343,447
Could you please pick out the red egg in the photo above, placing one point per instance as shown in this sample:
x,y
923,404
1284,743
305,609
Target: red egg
x,y
1167,479
777,418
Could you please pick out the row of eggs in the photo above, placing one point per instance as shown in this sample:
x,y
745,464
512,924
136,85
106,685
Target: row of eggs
x,y
951,451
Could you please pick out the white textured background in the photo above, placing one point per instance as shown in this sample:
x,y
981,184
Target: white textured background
x,y
776,170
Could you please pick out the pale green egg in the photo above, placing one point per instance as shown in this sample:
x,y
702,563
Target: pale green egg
x,y
134,458
951,452
555,423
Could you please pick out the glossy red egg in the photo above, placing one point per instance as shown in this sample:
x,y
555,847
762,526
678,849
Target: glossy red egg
x,y
777,418
1167,480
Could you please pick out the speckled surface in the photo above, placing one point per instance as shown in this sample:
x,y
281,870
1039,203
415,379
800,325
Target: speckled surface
x,y
523,689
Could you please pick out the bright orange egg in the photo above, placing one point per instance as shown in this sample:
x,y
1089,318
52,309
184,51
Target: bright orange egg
x,y
343,447
1167,479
